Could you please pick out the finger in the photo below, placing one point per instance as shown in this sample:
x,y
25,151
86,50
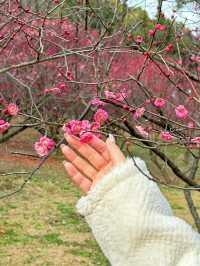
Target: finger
x,y
115,153
82,181
101,147
87,151
79,162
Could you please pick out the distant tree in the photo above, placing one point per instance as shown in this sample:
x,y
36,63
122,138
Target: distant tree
x,y
100,67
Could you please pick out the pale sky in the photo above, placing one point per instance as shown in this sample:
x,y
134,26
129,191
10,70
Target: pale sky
x,y
193,20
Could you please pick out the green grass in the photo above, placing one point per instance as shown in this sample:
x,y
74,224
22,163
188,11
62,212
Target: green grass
x,y
40,226
53,238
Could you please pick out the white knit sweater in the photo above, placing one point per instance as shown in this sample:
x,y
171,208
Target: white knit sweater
x,y
133,222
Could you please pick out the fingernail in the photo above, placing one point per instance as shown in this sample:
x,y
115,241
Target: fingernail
x,y
62,146
111,137
64,163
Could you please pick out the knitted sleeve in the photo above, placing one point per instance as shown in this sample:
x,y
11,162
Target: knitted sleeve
x,y
134,224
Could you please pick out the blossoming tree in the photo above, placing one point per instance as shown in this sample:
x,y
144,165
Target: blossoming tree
x,y
73,67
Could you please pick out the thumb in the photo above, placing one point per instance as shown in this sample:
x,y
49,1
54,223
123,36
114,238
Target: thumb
x,y
115,153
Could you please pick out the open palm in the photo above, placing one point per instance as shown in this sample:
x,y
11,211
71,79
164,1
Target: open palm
x,y
87,163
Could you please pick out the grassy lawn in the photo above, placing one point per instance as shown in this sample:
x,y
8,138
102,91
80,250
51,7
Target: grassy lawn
x,y
40,226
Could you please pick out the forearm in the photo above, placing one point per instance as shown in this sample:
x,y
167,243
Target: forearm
x,y
129,216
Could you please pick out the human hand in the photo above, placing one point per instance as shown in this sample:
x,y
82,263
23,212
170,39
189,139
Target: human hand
x,y
87,163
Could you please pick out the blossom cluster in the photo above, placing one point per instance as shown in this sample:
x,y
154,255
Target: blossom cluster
x,y
10,109
84,128
79,71
58,89
159,102
4,125
159,27
139,39
181,112
44,146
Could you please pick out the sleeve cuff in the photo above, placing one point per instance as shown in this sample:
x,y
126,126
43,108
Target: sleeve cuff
x,y
119,173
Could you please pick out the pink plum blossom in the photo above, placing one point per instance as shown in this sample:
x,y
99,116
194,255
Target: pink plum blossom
x,y
169,47
59,88
159,102
195,58
86,137
95,126
147,101
97,101
119,96
61,85
139,112
49,143
40,149
81,128
75,127
165,135
4,125
195,140
12,109
160,27
151,32
191,124
85,125
142,131
100,116
139,39
181,111
109,94
44,146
